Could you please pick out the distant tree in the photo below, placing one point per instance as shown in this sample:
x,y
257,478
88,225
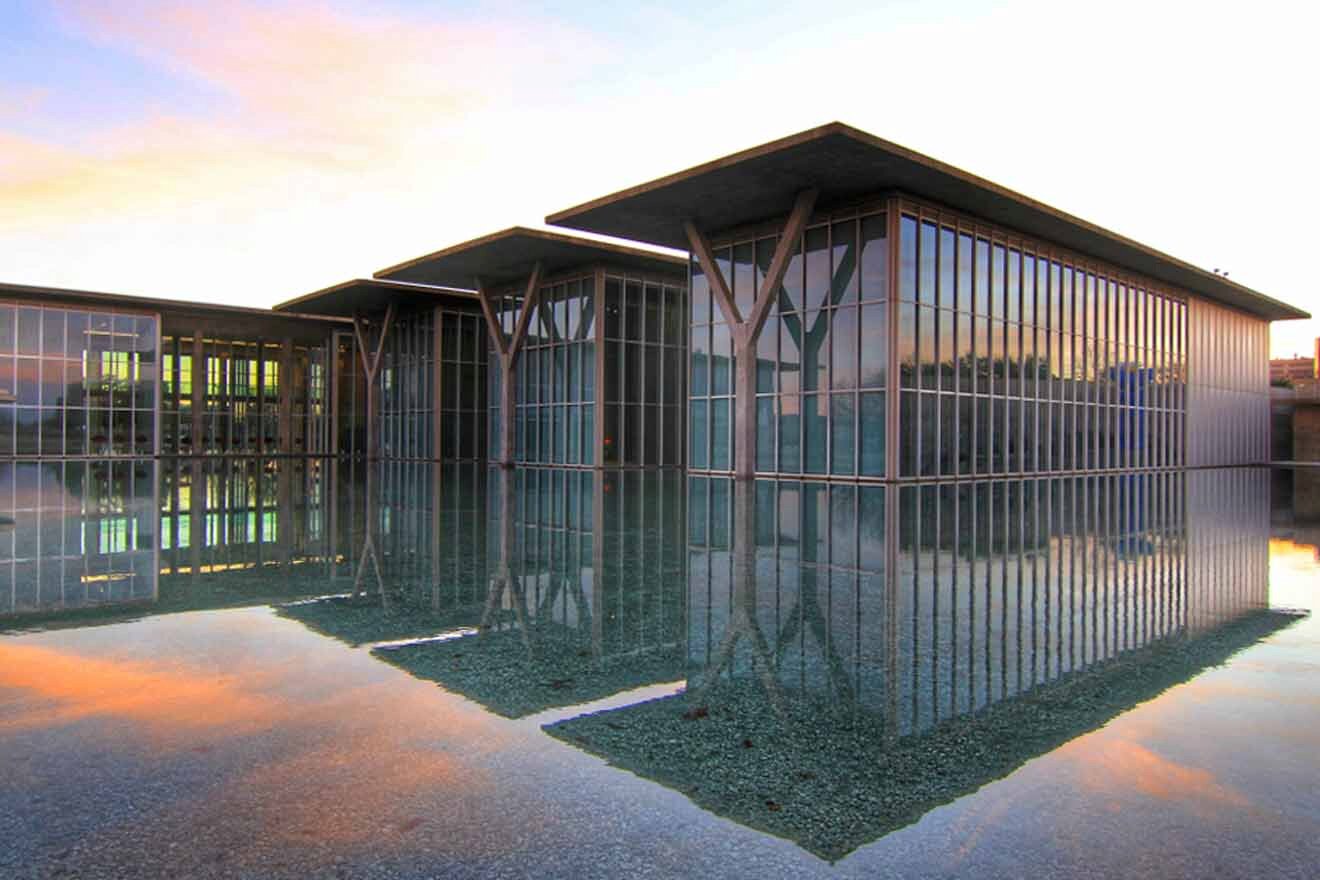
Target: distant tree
x,y
1281,382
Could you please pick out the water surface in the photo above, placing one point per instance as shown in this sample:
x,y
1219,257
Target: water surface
x,y
289,668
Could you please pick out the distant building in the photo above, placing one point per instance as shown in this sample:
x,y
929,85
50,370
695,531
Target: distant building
x,y
1294,369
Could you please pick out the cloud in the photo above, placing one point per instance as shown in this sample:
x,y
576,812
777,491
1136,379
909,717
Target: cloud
x,y
60,687
322,130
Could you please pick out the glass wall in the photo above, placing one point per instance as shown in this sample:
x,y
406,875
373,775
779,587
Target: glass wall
x,y
1229,397
81,533
636,354
407,395
244,397
76,383
462,386
822,357
643,372
1014,358
556,377
408,392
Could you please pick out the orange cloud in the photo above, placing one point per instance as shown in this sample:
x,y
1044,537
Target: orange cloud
x,y
1110,765
63,688
330,144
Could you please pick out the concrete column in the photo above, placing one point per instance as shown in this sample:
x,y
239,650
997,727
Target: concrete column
x,y
746,330
198,390
744,420
261,398
508,351
508,406
437,378
286,398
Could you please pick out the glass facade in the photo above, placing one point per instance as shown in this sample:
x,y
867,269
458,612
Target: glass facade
x,y
822,359
76,382
1013,358
643,372
1228,385
556,377
410,377
245,406
599,379
988,353
995,588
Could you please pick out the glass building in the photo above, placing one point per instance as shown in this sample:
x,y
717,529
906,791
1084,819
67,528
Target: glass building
x,y
888,334
859,311
586,346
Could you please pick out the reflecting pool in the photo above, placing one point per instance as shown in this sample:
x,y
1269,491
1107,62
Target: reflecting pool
x,y
306,667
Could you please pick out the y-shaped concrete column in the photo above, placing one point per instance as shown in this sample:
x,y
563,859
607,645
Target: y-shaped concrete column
x,y
746,331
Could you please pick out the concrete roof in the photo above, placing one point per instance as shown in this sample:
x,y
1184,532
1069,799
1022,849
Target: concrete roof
x,y
180,316
846,165
368,296
508,257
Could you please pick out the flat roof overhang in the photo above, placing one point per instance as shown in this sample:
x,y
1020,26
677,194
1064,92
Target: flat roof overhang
x,y
183,317
508,256
369,296
847,165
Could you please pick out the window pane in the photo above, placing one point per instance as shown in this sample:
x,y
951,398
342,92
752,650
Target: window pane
x,y
926,269
817,267
843,257
842,433
744,288
907,254
872,430
875,258
815,440
844,333
875,351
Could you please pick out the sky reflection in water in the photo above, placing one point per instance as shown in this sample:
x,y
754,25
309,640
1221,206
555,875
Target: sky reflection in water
x,y
218,734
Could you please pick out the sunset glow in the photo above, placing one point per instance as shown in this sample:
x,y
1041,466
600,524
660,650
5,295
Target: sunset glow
x,y
249,152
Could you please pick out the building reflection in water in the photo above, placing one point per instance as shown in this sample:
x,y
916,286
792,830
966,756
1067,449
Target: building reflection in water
x,y
147,536
969,593
882,650
75,533
835,627
582,590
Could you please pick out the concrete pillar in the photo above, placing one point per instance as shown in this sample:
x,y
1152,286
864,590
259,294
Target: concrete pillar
x,y
508,405
286,398
744,420
508,351
437,378
745,330
198,391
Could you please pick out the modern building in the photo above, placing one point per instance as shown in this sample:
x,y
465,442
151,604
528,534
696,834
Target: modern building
x,y
861,310
85,374
587,344
849,312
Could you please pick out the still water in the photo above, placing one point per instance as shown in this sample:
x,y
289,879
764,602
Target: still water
x,y
294,668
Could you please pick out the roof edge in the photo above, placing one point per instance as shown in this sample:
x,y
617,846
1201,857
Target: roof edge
x,y
1270,308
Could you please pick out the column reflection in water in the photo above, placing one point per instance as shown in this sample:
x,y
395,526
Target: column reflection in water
x,y
581,592
76,533
592,560
244,515
988,589
860,654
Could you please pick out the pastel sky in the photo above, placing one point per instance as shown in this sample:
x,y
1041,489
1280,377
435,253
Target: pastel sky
x,y
249,151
